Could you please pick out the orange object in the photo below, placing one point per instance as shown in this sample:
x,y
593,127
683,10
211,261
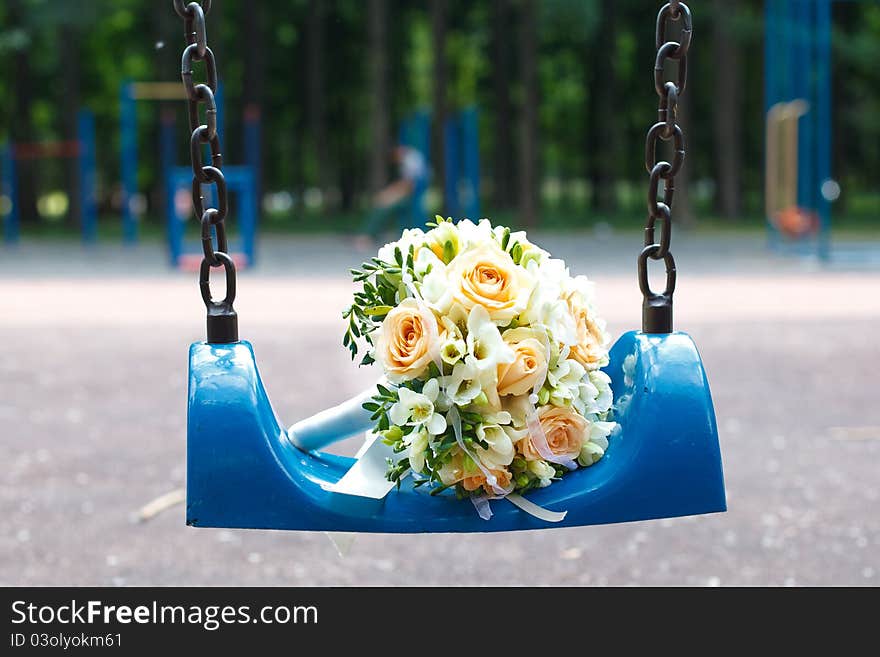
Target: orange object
x,y
795,221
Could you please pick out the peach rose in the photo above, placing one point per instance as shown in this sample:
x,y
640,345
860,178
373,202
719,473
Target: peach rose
x,y
565,430
471,476
590,349
487,276
529,367
407,340
502,480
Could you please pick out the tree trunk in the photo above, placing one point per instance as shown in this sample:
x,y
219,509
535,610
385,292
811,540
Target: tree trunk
x,y
440,72
683,209
316,90
602,112
528,159
503,156
379,107
69,102
166,60
21,129
728,107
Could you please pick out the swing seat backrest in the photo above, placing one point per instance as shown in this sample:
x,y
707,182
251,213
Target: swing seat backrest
x,y
244,472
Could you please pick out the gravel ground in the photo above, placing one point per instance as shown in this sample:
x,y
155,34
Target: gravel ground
x,y
92,424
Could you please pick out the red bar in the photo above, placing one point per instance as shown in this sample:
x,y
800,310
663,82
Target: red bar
x,y
45,149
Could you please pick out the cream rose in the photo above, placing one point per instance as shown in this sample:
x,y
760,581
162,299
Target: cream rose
x,y
529,367
487,276
565,430
407,341
591,348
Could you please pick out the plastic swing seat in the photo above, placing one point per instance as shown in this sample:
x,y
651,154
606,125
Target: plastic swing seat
x,y
244,471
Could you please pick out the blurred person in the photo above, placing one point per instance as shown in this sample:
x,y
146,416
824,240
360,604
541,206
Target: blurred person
x,y
412,179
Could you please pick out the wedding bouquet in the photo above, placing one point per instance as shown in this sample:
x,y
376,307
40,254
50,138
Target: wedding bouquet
x,y
491,354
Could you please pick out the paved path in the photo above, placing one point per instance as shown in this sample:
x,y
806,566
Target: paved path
x,y
92,424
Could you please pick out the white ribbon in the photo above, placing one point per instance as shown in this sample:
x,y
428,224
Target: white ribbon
x,y
533,509
536,431
455,420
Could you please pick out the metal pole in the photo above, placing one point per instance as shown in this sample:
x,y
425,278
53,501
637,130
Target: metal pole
x,y
128,163
166,161
87,176
451,160
823,122
9,189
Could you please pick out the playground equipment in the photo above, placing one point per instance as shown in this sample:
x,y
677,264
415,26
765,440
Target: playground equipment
x,y
82,149
240,179
245,470
799,187
462,162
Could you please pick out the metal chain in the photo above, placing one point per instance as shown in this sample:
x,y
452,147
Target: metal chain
x,y
222,319
657,307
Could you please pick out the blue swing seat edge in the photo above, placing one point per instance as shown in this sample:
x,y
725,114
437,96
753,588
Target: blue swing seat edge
x,y
244,472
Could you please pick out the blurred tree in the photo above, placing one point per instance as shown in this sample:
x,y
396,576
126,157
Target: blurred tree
x,y
70,100
603,110
315,97
728,108
440,82
380,118
528,157
501,106
23,98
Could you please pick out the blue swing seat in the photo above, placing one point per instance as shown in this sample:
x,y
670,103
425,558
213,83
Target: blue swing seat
x,y
244,472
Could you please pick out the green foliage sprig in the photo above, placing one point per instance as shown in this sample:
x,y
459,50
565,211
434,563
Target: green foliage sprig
x,y
381,290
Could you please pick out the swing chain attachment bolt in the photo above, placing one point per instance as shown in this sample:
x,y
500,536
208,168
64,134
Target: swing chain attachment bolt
x,y
222,320
657,306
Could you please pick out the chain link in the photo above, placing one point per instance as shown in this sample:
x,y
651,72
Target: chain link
x,y
222,318
657,307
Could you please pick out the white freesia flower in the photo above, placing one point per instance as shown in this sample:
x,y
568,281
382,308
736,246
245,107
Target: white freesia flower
x,y
463,385
564,381
590,453
543,471
426,260
500,452
471,234
486,348
443,240
453,350
599,432
417,409
583,286
604,397
410,236
546,306
417,447
497,417
518,408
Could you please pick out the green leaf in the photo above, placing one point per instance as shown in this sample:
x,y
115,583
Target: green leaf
x,y
448,252
517,253
376,311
